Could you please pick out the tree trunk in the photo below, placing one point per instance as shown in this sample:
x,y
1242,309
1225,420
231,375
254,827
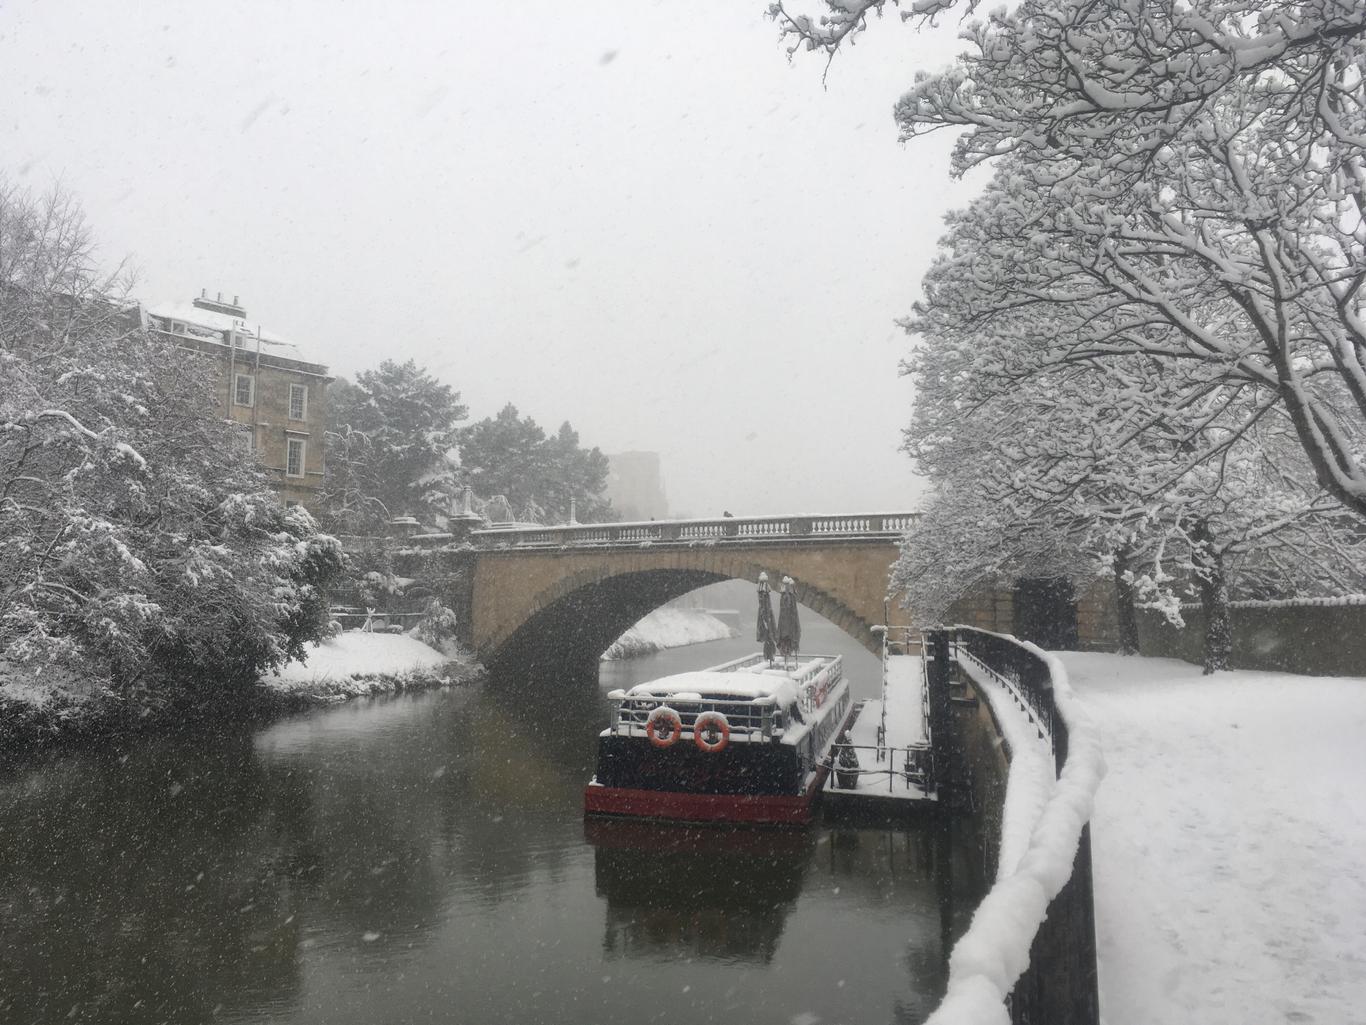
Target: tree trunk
x,y
1124,605
1209,562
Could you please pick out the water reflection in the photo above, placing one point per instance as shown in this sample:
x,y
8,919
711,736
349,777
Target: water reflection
x,y
678,891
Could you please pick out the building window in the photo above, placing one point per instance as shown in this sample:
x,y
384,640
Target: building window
x,y
249,438
178,327
298,402
244,390
294,458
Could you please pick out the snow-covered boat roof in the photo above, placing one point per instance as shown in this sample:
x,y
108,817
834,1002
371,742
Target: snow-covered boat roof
x,y
744,683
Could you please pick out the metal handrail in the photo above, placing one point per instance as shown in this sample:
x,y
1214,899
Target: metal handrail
x,y
917,753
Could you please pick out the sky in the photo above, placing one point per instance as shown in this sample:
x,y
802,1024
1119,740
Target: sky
x,y
637,217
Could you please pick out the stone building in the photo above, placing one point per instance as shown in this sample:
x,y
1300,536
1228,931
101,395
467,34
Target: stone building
x,y
266,385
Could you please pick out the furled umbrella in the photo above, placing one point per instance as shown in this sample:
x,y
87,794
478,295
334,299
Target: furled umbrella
x,y
789,627
764,630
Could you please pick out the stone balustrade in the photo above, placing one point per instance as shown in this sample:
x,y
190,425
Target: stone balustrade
x,y
750,529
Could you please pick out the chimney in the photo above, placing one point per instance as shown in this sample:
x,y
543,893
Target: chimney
x,y
232,309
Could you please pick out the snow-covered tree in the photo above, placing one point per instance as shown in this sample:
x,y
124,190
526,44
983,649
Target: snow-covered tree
x,y
510,455
1200,166
391,445
1136,459
140,545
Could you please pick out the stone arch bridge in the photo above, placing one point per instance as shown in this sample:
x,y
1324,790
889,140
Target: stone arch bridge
x,y
552,599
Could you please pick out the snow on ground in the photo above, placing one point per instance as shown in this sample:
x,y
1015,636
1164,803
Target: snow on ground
x,y
340,663
1229,843
669,628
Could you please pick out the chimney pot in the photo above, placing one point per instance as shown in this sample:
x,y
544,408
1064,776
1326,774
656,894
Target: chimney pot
x,y
220,296
203,293
235,301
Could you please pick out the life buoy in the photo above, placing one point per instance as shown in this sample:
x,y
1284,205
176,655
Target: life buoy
x,y
711,732
663,726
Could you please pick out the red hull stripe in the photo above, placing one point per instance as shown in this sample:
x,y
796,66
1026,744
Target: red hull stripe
x,y
670,804
769,809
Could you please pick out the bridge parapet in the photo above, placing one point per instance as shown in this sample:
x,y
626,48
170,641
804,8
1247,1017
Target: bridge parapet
x,y
860,526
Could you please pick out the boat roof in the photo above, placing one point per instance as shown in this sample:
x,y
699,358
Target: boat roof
x,y
743,683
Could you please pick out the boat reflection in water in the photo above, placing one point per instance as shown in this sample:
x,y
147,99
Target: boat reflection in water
x,y
716,892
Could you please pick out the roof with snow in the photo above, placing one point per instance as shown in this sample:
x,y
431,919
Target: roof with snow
x,y
214,327
738,685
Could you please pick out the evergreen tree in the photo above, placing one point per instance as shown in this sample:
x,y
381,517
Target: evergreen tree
x,y
390,447
510,455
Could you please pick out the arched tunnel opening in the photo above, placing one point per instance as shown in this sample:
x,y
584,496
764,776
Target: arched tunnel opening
x,y
564,639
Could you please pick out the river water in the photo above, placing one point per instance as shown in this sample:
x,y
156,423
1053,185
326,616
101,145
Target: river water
x,y
425,859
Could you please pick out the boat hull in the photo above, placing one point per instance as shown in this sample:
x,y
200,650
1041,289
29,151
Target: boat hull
x,y
761,784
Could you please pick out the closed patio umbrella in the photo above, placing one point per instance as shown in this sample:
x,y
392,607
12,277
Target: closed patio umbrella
x,y
764,629
789,627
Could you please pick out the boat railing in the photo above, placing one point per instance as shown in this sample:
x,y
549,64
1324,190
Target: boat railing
x,y
761,717
814,676
910,767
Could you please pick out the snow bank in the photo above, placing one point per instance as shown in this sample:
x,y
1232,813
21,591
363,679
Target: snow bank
x,y
669,628
356,663
994,952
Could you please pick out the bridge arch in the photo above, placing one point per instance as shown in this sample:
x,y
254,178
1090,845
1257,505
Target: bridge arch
x,y
557,610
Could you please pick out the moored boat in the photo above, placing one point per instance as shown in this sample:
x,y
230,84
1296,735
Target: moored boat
x,y
746,741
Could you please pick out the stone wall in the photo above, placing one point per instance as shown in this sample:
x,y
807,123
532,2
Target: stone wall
x,y
994,609
1313,640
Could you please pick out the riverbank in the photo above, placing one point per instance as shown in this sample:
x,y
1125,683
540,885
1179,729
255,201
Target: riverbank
x,y
57,710
668,628
1229,843
360,664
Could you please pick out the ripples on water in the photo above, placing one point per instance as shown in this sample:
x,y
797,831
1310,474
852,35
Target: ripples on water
x,y
424,859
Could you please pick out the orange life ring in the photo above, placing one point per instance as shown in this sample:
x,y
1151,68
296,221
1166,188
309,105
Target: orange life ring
x,y
675,726
714,724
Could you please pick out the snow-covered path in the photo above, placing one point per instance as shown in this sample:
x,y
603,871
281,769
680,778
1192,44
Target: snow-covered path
x,y
1229,843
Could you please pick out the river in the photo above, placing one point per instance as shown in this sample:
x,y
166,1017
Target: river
x,y
424,859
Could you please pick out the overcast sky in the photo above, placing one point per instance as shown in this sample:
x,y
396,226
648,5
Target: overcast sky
x,y
638,217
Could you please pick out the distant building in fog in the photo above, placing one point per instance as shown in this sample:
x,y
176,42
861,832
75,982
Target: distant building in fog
x,y
635,487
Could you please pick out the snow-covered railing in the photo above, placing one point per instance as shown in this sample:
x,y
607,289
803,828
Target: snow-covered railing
x,y
1029,954
1332,602
726,528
